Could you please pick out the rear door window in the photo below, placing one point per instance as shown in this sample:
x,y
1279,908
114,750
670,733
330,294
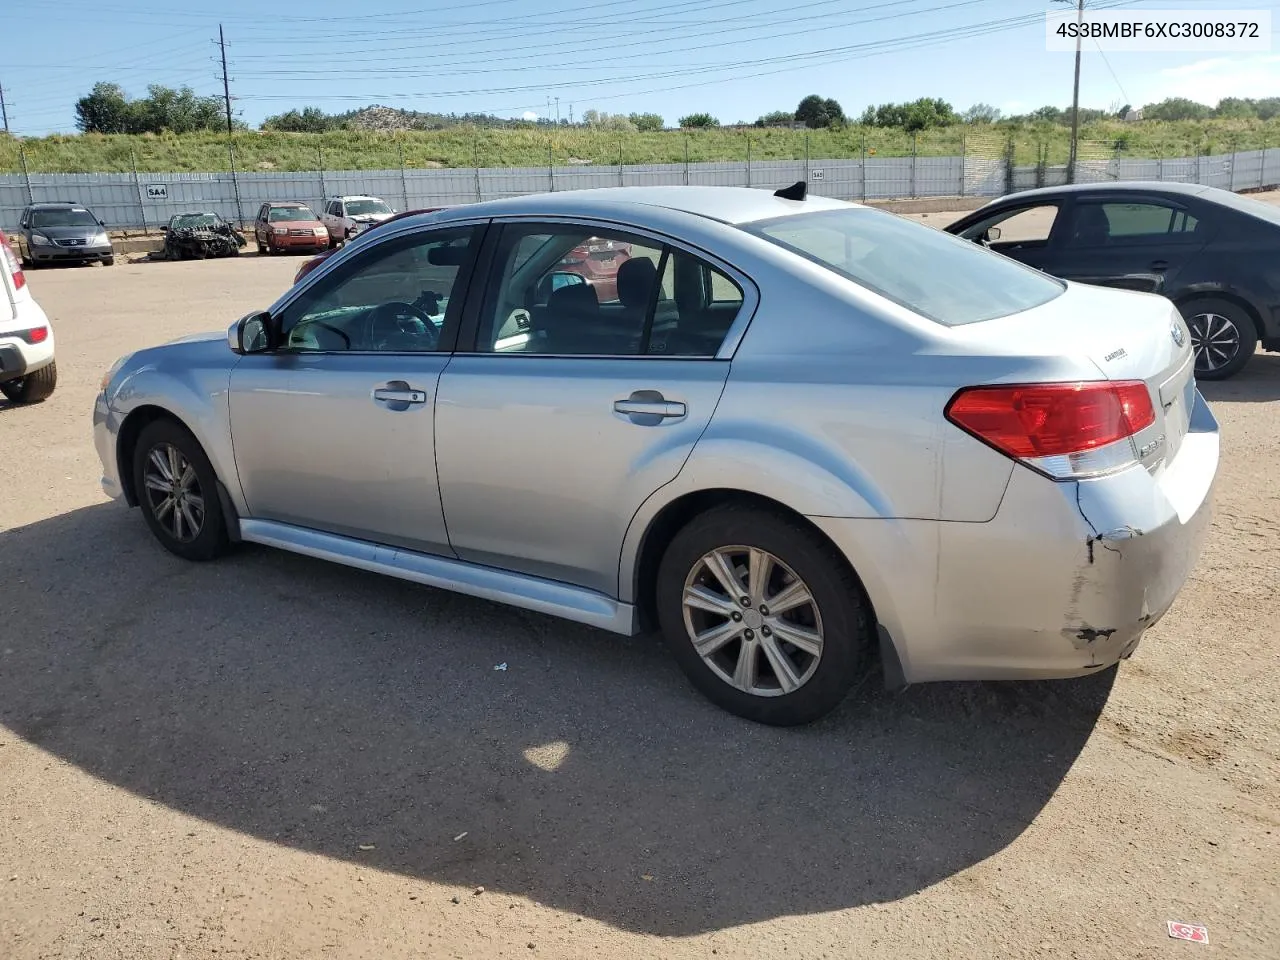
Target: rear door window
x,y
941,277
1097,223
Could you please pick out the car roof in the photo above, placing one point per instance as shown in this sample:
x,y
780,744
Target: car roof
x,y
732,205
285,203
354,196
1171,188
55,205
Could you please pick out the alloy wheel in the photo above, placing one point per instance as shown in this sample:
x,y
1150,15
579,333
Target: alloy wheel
x,y
752,620
173,492
1215,339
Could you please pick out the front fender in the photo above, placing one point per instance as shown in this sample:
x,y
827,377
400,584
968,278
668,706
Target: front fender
x,y
195,395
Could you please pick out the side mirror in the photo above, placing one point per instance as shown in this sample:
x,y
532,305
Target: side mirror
x,y
250,334
993,234
102,223
554,281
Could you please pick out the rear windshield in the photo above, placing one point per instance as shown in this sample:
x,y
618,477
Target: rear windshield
x,y
62,218
290,213
948,280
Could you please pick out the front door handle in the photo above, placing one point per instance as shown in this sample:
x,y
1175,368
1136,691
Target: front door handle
x,y
649,406
398,395
1159,264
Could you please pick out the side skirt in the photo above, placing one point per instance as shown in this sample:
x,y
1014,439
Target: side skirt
x,y
487,583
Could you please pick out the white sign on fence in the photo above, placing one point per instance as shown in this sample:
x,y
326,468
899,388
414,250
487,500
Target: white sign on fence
x,y
157,191
816,174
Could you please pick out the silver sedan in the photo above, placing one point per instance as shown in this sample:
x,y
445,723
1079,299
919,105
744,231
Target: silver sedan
x,y
801,437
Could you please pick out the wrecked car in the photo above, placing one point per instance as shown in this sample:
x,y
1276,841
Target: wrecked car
x,y
200,236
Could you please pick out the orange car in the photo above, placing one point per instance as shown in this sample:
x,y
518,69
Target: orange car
x,y
288,227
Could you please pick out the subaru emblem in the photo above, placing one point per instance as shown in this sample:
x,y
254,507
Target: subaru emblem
x,y
1175,330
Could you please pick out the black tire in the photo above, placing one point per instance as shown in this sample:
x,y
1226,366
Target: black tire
x,y
262,249
34,387
1206,316
109,262
839,604
333,244
211,539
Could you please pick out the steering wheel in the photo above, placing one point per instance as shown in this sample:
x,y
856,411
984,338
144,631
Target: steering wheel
x,y
395,312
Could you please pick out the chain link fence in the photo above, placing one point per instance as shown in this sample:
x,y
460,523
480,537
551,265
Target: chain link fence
x,y
143,189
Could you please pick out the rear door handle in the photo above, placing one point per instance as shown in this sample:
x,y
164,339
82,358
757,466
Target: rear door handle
x,y
1159,264
649,405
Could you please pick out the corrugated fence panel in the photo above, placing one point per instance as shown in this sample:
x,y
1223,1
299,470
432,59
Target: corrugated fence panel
x,y
150,200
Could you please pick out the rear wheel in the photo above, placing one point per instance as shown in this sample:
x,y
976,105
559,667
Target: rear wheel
x,y
767,620
178,491
34,387
1222,335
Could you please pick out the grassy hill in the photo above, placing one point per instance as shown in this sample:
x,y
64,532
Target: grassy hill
x,y
470,146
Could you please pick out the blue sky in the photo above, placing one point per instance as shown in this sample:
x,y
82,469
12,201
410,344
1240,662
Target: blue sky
x,y
733,58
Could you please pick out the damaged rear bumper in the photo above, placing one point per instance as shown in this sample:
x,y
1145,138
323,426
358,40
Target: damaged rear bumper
x,y
1062,582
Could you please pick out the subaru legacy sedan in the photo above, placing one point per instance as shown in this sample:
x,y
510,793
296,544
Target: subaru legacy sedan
x,y
802,438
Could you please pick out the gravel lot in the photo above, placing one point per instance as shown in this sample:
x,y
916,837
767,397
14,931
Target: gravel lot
x,y
274,757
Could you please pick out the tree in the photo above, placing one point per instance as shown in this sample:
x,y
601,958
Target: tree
x,y
1234,108
917,115
775,118
608,121
981,113
1051,115
104,110
1176,108
309,120
699,121
815,112
1267,107
647,122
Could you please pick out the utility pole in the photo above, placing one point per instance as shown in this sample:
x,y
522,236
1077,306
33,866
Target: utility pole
x,y
1075,97
231,150
557,111
226,84
4,109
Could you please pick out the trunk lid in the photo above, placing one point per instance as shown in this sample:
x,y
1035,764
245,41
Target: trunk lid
x,y
1126,336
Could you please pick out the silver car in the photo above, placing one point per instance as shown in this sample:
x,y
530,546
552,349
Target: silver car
x,y
801,437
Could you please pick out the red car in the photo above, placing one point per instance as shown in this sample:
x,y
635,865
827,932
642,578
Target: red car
x,y
289,226
596,261
316,261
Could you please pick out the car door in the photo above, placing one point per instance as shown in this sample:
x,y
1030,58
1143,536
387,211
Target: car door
x,y
566,409
1135,242
333,429
260,229
1024,231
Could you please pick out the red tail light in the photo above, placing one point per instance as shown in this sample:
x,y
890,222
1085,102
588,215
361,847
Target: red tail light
x,y
35,335
1032,421
15,268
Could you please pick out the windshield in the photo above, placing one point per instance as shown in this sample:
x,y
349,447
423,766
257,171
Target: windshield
x,y
290,213
948,280
361,208
187,221
72,217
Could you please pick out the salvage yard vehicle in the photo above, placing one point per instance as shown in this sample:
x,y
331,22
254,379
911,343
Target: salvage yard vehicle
x,y
1210,251
28,372
63,233
347,217
804,435
200,236
289,227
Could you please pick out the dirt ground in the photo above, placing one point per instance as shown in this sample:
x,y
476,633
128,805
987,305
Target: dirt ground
x,y
272,757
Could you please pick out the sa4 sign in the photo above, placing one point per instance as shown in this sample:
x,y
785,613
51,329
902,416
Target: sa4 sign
x,y
1188,931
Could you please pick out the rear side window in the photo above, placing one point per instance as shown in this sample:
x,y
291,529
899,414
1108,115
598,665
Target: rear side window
x,y
1101,222
941,277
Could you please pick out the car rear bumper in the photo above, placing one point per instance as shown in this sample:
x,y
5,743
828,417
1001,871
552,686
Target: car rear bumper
x,y
18,358
1062,582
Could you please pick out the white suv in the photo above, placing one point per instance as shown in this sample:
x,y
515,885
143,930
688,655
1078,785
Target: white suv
x,y
346,217
28,373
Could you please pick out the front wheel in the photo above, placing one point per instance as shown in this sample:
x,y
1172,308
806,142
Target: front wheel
x,y
178,492
1222,335
34,387
766,619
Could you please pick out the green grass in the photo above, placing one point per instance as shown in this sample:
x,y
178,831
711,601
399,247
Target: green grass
x,y
468,147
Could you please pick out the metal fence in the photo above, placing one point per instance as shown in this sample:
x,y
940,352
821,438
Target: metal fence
x,y
134,201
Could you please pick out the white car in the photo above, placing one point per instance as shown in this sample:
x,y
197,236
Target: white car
x,y
347,217
28,372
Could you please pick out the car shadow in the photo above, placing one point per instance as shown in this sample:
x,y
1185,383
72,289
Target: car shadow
x,y
371,720
1258,382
